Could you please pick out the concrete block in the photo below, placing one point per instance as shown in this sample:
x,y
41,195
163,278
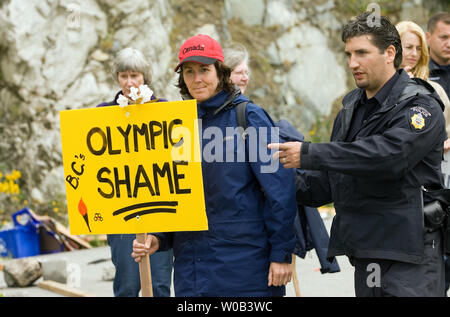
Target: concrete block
x,y
55,270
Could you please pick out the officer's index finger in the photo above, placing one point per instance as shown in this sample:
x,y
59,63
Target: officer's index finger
x,y
278,146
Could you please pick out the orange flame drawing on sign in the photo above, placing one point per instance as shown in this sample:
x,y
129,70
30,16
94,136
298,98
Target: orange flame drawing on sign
x,y
82,208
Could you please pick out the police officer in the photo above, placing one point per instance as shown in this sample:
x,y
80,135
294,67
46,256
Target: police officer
x,y
386,148
438,38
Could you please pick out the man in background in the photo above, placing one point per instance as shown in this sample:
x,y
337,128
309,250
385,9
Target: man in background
x,y
438,38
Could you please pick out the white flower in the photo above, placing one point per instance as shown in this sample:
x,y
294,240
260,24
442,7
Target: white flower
x,y
146,93
122,100
142,94
134,93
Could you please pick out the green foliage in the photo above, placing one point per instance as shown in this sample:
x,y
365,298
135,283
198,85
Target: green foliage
x,y
12,199
97,242
320,130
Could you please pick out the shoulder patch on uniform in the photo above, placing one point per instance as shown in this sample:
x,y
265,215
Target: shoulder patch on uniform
x,y
425,113
419,117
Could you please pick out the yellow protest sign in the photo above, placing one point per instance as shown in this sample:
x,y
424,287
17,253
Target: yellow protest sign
x,y
133,169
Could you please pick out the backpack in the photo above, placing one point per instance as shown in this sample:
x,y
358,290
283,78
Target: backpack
x,y
287,131
309,228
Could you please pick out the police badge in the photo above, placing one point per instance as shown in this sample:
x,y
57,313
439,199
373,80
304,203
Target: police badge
x,y
418,121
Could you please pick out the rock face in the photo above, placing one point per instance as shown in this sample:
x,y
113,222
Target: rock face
x,y
57,54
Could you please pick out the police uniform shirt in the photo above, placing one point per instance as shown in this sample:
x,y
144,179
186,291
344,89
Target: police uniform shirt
x,y
440,74
366,107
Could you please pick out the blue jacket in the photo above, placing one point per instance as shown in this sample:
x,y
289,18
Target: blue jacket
x,y
250,214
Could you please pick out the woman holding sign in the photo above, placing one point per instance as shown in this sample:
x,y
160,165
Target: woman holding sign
x,y
131,71
250,206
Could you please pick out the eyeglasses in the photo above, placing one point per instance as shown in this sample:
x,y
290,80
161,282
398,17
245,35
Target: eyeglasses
x,y
242,73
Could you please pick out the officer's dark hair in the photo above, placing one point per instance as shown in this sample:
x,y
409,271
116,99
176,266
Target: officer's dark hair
x,y
435,19
223,73
382,33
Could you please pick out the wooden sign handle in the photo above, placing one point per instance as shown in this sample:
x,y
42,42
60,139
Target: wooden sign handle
x,y
144,270
294,277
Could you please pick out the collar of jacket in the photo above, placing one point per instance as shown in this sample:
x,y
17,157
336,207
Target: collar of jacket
x,y
114,102
217,103
433,66
351,99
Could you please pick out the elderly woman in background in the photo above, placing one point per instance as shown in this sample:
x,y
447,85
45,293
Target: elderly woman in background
x,y
236,57
415,62
132,70
247,249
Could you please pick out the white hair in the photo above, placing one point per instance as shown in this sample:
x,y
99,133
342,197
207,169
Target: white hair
x,y
234,55
133,60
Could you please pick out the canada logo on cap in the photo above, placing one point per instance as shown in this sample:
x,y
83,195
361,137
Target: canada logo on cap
x,y
201,49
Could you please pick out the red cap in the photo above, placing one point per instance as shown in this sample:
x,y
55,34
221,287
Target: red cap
x,y
201,49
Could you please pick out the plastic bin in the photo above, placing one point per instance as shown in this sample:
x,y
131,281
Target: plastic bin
x,y
21,241
23,217
28,237
48,241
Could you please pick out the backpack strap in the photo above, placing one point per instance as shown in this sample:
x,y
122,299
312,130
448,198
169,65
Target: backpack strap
x,y
241,118
241,114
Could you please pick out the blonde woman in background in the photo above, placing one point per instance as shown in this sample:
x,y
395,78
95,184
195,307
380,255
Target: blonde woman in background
x,y
415,62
